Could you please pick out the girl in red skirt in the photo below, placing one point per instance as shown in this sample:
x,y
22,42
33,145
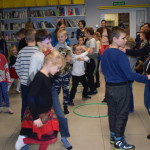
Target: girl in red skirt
x,y
13,74
40,125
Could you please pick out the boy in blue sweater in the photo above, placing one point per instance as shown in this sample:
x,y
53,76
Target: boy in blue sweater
x,y
117,72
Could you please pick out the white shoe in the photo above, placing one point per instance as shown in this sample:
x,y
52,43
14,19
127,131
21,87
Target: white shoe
x,y
19,144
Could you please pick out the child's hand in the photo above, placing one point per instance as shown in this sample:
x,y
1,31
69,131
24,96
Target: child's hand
x,y
80,59
38,123
148,76
68,58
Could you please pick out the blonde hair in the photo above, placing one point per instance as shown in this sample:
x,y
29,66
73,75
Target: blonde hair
x,y
56,58
97,34
130,42
62,31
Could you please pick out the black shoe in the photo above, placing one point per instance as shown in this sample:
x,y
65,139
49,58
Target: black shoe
x,y
121,144
86,97
71,103
66,111
97,85
92,92
104,100
148,136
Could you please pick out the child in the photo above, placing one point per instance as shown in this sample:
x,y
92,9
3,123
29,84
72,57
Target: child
x,y
13,74
98,43
78,73
40,125
22,66
81,41
43,40
4,80
130,44
63,78
91,66
117,72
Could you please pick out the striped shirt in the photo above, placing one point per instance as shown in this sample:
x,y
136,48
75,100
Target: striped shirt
x,y
22,64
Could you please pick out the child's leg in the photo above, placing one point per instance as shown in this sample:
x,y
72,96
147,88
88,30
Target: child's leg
x,y
43,146
75,82
83,81
65,87
58,83
4,89
9,85
18,85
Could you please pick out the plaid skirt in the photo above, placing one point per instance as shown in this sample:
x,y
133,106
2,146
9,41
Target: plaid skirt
x,y
46,134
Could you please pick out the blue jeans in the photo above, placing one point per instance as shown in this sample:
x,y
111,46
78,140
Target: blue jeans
x,y
63,122
4,94
26,147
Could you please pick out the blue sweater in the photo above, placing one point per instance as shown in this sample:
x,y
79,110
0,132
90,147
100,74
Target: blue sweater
x,y
116,67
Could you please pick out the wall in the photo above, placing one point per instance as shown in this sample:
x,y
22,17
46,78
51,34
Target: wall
x,y
92,6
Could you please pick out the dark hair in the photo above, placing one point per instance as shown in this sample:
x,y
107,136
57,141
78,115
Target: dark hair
x,y
59,23
89,30
83,22
75,46
147,24
21,31
103,21
115,32
30,35
81,37
41,35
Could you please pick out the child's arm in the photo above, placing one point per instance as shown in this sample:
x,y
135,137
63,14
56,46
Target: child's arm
x,y
18,65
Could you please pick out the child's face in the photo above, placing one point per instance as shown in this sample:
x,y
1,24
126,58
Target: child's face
x,y
14,51
81,41
78,50
86,34
121,41
46,44
53,69
80,25
62,27
142,37
61,38
95,37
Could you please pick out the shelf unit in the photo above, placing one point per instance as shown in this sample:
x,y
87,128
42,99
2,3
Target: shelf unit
x,y
45,17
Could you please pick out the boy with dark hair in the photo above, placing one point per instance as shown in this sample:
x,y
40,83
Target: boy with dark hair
x,y
117,72
22,66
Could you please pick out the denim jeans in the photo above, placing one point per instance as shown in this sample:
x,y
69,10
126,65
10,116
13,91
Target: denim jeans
x,y
26,147
147,96
63,122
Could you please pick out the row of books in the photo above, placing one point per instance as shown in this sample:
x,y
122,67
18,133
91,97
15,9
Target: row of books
x,y
67,11
42,13
43,25
11,26
10,37
13,14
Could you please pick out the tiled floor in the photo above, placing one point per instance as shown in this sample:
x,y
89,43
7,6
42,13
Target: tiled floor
x,y
86,133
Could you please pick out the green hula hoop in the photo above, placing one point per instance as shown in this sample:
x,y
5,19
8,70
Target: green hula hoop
x,y
76,107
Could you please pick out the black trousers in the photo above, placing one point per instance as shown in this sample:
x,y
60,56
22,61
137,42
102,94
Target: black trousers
x,y
75,82
118,99
90,67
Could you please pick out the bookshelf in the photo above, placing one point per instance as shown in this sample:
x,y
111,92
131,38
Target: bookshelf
x,y
45,17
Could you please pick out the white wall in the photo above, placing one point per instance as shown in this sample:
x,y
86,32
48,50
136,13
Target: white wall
x,y
93,13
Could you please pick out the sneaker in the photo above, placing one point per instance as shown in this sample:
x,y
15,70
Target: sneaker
x,y
66,111
67,145
18,92
86,97
92,92
9,110
148,136
19,144
104,100
112,139
71,103
121,144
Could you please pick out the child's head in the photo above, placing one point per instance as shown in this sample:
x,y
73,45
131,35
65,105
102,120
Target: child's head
x,y
130,44
20,34
30,36
89,31
143,35
77,49
118,37
60,25
81,40
54,62
28,25
43,39
81,24
62,36
97,36
13,50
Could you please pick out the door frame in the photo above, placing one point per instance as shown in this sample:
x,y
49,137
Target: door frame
x,y
131,11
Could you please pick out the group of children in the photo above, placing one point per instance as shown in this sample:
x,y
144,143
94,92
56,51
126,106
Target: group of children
x,y
43,70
